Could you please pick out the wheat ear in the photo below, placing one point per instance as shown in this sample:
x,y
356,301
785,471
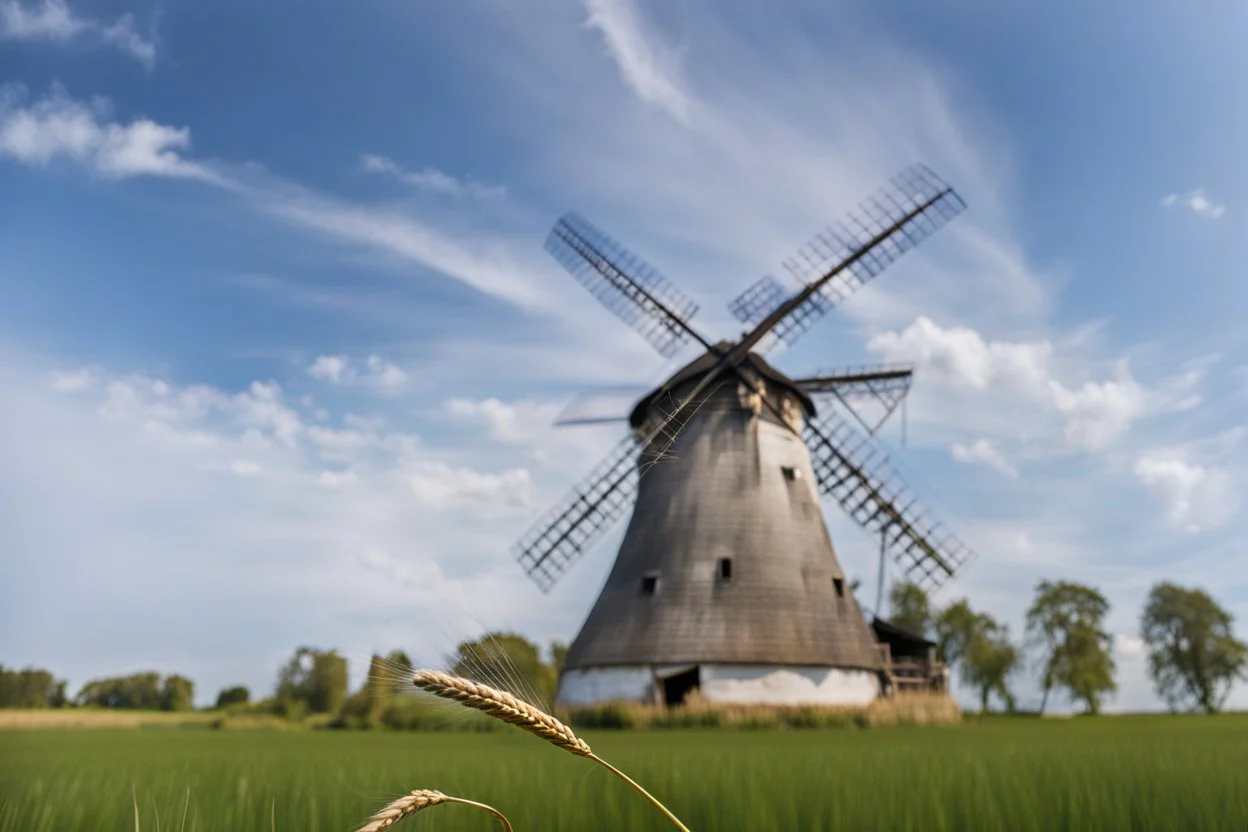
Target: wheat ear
x,y
411,803
502,705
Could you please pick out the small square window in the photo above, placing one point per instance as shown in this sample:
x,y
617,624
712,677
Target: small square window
x,y
839,585
725,569
649,583
790,473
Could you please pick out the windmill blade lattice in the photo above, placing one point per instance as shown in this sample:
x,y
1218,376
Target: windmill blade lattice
x,y
632,289
857,474
886,384
911,206
580,519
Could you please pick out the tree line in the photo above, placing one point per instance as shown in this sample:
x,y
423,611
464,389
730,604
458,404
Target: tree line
x,y
312,682
1193,659
1193,655
149,691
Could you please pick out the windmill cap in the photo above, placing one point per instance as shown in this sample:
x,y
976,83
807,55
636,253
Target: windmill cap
x,y
703,364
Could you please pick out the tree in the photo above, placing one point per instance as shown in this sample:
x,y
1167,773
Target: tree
x,y
317,679
981,650
237,695
138,691
989,660
1066,623
507,661
30,688
177,693
954,627
909,607
1193,655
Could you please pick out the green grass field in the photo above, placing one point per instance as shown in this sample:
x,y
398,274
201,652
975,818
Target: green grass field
x,y
1137,773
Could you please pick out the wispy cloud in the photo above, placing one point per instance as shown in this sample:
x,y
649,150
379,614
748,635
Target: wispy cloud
x,y
1196,201
646,65
54,21
60,127
431,179
983,452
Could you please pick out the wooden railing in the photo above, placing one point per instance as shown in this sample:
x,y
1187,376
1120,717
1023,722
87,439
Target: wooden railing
x,y
912,674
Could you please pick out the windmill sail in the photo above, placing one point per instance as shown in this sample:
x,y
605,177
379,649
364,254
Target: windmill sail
x,y
578,521
886,385
607,404
911,206
856,473
632,289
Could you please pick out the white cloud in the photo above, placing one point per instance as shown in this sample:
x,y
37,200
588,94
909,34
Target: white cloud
x,y
1097,413
49,20
513,422
1100,412
983,452
237,482
373,371
121,34
1196,201
60,127
431,179
1196,497
53,20
645,64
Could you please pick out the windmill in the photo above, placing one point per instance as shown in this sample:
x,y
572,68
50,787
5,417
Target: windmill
x,y
726,579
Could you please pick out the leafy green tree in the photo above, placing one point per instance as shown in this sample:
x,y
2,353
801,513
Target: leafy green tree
x,y
909,607
236,695
989,660
30,688
1066,623
980,648
138,691
1193,655
954,627
315,679
177,693
508,661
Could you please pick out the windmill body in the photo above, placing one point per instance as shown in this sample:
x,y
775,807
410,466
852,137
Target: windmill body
x,y
726,579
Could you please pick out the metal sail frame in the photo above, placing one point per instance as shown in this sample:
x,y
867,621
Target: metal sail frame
x,y
840,260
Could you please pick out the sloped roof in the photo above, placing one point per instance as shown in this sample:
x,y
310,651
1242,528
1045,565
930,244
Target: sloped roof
x,y
701,365
888,631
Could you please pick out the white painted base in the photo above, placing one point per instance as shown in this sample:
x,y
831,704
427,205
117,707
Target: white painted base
x,y
738,684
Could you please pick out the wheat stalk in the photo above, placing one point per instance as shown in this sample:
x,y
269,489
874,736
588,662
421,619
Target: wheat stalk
x,y
413,802
503,706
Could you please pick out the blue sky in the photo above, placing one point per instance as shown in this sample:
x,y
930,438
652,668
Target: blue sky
x,y
281,347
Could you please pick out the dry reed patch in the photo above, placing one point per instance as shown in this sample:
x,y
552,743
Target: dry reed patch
x,y
913,709
698,712
90,718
